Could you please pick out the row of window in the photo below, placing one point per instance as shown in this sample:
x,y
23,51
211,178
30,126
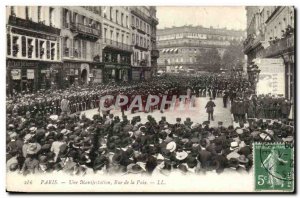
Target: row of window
x,y
140,57
75,47
276,27
116,36
140,41
116,16
28,47
140,24
176,60
44,14
199,36
73,17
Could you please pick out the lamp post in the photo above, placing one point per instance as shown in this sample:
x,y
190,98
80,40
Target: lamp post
x,y
253,75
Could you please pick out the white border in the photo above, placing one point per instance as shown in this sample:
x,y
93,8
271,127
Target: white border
x,y
110,2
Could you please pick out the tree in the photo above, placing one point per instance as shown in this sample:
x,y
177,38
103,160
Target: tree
x,y
233,56
209,60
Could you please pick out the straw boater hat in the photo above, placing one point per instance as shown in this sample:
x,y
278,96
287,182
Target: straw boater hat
x,y
134,168
33,148
233,145
181,155
171,146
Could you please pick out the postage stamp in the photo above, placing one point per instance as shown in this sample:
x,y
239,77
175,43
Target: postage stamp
x,y
274,166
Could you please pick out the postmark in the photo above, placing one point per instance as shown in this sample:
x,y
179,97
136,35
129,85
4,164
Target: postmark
x,y
273,166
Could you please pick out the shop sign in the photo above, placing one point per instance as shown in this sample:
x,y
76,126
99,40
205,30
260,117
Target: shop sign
x,y
20,64
30,73
16,74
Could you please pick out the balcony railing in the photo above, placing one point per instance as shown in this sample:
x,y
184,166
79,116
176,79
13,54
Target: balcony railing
x,y
84,29
140,47
118,45
29,24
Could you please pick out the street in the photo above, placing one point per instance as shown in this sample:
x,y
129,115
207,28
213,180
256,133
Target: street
x,y
197,116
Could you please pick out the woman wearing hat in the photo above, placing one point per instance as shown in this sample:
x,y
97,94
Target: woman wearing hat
x,y
31,163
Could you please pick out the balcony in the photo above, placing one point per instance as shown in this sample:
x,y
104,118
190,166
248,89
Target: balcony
x,y
118,45
141,47
29,24
85,31
141,31
155,53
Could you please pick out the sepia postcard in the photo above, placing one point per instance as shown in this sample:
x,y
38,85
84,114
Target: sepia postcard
x,y
150,99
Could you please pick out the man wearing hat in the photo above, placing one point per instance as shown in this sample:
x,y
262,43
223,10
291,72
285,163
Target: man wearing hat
x,y
210,109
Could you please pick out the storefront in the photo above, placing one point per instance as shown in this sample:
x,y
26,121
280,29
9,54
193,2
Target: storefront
x,y
76,73
141,73
116,73
29,76
96,73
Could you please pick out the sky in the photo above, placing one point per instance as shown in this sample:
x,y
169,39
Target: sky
x,y
218,17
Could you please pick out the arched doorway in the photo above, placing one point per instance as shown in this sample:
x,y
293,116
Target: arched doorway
x,y
84,76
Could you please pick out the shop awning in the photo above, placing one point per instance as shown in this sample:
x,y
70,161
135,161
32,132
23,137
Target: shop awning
x,y
176,50
171,50
181,67
164,50
167,50
176,67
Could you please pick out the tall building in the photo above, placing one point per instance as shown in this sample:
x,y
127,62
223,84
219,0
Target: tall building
x,y
270,34
52,46
143,24
117,48
179,46
33,59
81,32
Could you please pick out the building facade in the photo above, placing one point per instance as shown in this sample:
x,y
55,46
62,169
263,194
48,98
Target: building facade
x,y
51,46
117,48
81,33
179,46
33,53
270,34
143,26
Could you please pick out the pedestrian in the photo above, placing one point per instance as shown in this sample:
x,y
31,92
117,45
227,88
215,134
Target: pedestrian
x,y
210,109
225,98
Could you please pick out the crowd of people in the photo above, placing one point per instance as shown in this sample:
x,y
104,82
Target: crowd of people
x,y
109,145
41,139
81,99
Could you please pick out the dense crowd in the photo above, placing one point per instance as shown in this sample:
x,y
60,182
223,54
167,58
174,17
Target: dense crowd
x,y
81,99
108,145
41,139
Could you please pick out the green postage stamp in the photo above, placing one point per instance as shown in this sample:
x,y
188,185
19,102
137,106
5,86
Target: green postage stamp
x,y
274,166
